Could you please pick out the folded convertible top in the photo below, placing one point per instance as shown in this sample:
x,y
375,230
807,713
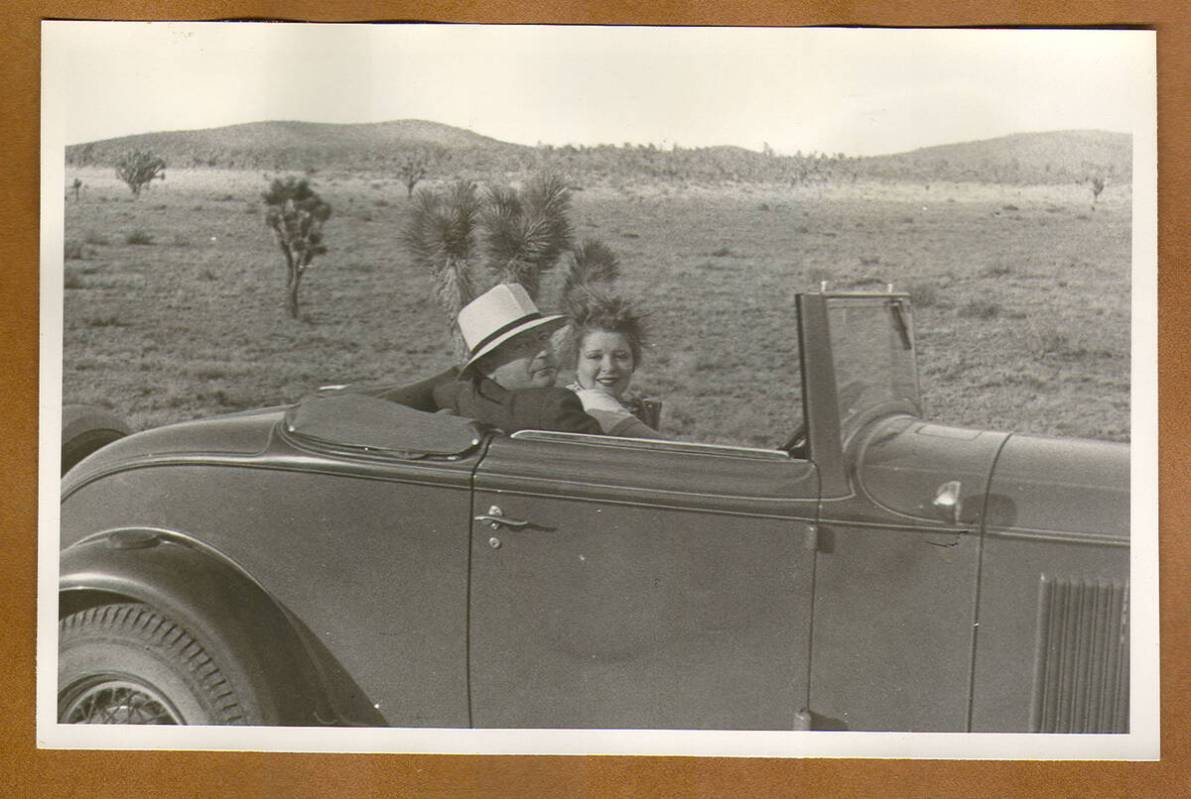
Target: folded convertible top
x,y
360,421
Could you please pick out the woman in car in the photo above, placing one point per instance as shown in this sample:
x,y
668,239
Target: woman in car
x,y
604,343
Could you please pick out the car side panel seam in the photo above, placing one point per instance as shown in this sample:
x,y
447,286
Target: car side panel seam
x,y
470,545
975,634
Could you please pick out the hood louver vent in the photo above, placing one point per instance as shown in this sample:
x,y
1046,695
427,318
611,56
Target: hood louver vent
x,y
1081,671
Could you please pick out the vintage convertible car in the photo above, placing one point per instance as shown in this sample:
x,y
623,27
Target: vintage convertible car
x,y
356,559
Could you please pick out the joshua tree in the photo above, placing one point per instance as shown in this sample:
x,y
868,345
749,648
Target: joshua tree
x,y
440,236
76,186
138,168
524,234
1098,184
296,216
412,171
527,231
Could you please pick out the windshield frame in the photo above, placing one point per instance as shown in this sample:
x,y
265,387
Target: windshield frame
x,y
830,427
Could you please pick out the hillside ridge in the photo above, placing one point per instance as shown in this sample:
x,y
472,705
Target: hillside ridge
x,y
1030,157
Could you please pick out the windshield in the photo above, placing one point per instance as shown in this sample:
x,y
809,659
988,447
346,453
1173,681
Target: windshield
x,y
872,344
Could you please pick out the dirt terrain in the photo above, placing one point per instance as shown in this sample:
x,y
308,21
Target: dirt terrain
x,y
174,306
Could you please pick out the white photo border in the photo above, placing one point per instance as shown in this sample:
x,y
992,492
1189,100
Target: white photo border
x,y
1142,743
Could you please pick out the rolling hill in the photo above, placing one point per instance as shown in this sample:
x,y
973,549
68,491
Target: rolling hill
x,y
1056,156
266,137
1049,157
295,145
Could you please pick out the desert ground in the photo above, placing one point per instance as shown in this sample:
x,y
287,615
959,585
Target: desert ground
x,y
174,301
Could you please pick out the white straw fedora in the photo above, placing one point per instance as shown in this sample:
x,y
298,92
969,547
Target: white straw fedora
x,y
496,316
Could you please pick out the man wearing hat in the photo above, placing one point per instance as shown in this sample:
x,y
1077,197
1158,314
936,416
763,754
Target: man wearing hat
x,y
508,379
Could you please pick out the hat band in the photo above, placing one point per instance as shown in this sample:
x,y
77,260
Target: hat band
x,y
500,331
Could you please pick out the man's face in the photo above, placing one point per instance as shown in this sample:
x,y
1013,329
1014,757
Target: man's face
x,y
524,361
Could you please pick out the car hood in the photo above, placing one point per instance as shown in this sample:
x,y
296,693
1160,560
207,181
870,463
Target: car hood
x,y
1045,485
1009,483
246,433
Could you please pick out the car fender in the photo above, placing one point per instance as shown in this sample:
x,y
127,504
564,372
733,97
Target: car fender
x,y
221,607
86,430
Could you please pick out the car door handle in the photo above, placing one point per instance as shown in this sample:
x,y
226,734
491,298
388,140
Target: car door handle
x,y
495,518
497,521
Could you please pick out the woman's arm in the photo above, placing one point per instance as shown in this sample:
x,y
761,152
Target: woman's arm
x,y
614,418
625,424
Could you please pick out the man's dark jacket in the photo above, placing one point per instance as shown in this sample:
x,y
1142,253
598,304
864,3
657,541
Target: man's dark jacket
x,y
522,409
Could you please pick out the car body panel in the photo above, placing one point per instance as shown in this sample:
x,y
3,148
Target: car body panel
x,y
1058,485
896,580
892,628
1011,645
1055,564
235,434
652,588
389,552
209,596
903,462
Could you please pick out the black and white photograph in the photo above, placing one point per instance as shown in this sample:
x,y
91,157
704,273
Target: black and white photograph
x,y
493,389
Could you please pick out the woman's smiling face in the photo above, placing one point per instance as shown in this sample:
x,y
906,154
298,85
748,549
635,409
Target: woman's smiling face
x,y
605,362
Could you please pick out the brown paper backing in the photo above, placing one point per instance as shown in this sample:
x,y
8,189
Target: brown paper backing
x,y
27,771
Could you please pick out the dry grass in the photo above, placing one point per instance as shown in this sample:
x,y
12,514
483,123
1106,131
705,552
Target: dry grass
x,y
74,251
138,236
197,328
980,309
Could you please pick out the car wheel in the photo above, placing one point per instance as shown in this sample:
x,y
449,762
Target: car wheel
x,y
84,430
127,664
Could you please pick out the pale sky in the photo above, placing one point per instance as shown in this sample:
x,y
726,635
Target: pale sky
x,y
861,92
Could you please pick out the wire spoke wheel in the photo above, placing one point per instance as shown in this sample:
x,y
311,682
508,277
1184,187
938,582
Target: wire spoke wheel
x,y
130,664
116,700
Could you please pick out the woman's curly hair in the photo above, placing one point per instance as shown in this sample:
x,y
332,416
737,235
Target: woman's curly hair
x,y
593,309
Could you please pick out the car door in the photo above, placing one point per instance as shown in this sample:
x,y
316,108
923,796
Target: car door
x,y
628,584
